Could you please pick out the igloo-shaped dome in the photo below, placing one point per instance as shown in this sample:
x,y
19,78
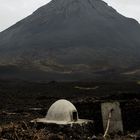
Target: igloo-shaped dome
x,y
62,110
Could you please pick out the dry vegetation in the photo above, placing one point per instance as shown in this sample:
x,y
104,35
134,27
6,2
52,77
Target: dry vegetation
x,y
24,131
23,101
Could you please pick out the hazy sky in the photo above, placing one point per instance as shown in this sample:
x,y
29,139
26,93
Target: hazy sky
x,y
12,11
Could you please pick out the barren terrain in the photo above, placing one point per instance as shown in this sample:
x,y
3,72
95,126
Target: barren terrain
x,y
22,101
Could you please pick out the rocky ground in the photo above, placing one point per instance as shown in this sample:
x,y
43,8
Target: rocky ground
x,y
22,101
25,131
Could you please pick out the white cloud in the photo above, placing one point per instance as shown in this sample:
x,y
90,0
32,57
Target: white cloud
x,y
128,8
12,11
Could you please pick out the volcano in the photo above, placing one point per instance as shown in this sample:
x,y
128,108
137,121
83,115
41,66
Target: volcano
x,y
71,40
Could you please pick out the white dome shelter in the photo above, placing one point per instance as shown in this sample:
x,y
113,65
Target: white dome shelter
x,y
62,112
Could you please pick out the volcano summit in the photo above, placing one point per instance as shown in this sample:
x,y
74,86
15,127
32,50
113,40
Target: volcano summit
x,y
71,40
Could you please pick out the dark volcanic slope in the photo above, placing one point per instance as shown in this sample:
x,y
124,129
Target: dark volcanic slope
x,y
73,39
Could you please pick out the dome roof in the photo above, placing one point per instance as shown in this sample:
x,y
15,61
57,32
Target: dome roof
x,y
62,110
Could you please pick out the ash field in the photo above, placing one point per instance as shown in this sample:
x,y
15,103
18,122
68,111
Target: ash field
x,y
22,101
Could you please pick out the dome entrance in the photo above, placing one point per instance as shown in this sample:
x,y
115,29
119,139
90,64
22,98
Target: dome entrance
x,y
74,116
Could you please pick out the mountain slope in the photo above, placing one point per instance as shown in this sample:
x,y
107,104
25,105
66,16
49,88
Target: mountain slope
x,y
72,37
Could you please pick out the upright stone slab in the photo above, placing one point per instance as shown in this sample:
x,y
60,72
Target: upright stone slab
x,y
116,123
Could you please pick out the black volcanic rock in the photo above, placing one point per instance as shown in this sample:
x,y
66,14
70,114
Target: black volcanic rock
x,y
71,39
